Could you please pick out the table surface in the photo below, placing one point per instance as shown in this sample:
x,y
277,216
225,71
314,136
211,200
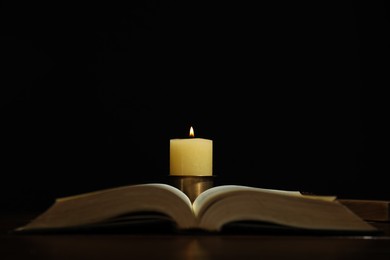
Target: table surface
x,y
186,246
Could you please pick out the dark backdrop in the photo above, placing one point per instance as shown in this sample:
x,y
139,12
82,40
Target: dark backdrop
x,y
291,94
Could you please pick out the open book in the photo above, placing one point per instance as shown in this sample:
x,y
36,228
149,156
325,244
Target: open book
x,y
211,211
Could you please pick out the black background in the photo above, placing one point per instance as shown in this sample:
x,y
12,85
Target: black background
x,y
292,95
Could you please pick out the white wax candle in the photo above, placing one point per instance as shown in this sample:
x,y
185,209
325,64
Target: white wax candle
x,y
191,156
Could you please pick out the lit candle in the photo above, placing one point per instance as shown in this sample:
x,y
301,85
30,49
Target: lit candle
x,y
191,156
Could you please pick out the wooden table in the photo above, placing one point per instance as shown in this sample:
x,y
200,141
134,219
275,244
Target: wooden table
x,y
186,246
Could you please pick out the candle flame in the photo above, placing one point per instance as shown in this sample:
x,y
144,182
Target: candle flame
x,y
192,134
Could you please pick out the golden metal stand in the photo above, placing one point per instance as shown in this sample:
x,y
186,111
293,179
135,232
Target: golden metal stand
x,y
192,186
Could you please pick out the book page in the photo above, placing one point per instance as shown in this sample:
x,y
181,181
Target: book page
x,y
281,209
208,197
163,186
96,207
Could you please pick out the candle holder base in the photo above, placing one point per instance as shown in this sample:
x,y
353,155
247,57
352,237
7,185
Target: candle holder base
x,y
192,186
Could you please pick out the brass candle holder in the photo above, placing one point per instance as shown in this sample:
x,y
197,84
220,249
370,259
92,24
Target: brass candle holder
x,y
192,186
